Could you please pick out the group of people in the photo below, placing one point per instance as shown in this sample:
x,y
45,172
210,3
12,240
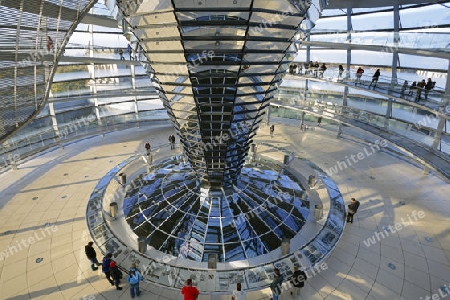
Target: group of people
x,y
190,292
297,281
418,87
114,275
130,51
314,68
112,271
172,142
375,77
317,69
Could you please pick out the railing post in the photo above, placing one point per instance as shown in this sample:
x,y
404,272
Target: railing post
x,y
446,98
388,113
349,41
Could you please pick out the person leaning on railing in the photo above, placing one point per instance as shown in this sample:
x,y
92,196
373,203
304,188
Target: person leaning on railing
x,y
420,87
359,73
375,78
322,70
428,87
412,88
341,70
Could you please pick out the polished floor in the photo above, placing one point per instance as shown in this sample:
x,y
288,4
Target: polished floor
x,y
370,262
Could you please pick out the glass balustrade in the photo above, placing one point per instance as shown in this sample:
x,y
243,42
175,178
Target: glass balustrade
x,y
384,85
404,119
412,40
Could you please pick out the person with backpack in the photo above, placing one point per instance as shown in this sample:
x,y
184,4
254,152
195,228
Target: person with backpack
x,y
133,278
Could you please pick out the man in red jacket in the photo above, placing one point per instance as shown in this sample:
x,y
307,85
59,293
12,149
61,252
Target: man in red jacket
x,y
190,292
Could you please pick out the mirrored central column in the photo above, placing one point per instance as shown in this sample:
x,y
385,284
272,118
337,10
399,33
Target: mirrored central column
x,y
217,66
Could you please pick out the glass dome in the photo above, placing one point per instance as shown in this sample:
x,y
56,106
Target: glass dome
x,y
170,209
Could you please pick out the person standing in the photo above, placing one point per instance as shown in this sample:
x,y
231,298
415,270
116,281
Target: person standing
x,y
238,294
428,87
352,209
130,51
272,129
316,68
375,78
319,121
172,141
92,256
190,292
322,70
404,86
412,88
133,278
341,71
121,54
116,274
49,43
298,281
147,147
105,267
420,87
275,286
359,73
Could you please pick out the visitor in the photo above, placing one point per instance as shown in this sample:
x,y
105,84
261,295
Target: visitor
x,y
428,87
359,73
341,71
420,87
92,256
322,70
298,281
133,278
116,274
147,147
238,294
319,121
352,209
106,269
412,88
375,78
316,68
189,291
129,50
172,141
275,286
272,129
121,54
49,43
404,86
